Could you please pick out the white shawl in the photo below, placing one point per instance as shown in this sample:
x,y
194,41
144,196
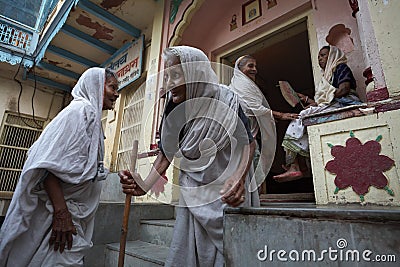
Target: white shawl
x,y
257,109
209,155
71,147
211,112
325,92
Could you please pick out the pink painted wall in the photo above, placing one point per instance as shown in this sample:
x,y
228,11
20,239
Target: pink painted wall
x,y
210,29
330,13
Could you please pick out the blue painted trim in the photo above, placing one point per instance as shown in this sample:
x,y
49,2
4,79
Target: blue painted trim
x,y
43,13
110,18
71,56
54,28
86,38
49,82
13,58
47,9
58,70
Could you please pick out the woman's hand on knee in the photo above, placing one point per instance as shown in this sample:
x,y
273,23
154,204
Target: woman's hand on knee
x,y
62,230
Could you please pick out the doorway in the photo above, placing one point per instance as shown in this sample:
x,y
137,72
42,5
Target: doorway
x,y
282,55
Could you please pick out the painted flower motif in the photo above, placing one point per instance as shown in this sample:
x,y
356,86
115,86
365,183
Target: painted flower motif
x,y
359,166
159,186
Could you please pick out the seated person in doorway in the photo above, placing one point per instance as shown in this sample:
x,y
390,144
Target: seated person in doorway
x,y
335,90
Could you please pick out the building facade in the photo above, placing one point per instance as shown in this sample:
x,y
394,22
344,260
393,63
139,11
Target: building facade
x,y
284,36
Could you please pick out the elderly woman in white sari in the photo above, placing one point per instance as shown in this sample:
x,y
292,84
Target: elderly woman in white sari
x,y
335,90
260,115
51,216
204,127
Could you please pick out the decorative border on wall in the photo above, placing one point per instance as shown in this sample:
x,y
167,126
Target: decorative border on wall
x,y
184,22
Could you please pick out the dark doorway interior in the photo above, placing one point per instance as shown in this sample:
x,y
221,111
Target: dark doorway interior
x,y
284,55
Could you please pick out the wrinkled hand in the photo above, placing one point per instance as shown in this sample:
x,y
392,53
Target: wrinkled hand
x,y
308,102
233,192
62,230
314,104
129,186
289,116
303,98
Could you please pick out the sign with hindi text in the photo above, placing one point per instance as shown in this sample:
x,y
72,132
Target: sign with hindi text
x,y
127,62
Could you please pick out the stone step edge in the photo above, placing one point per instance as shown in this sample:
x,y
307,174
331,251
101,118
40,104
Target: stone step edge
x,y
115,247
166,223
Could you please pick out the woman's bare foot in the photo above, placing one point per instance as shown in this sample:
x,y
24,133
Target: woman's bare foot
x,y
292,173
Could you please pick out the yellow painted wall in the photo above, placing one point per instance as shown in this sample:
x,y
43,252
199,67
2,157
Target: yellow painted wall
x,y
47,103
152,57
386,23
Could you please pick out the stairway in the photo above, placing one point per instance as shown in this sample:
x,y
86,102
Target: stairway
x,y
149,250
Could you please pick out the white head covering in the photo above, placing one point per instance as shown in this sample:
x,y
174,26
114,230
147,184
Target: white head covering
x,y
211,112
325,92
257,109
72,145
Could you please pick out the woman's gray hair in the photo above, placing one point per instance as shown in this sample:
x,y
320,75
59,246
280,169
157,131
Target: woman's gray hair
x,y
110,73
243,61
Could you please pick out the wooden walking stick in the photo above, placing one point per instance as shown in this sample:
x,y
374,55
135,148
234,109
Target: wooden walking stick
x,y
127,208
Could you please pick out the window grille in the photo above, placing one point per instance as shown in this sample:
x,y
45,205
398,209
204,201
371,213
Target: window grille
x,y
21,23
131,125
14,36
15,140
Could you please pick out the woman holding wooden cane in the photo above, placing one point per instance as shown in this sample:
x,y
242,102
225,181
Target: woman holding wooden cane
x,y
204,126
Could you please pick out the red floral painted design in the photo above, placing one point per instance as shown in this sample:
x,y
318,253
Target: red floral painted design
x,y
159,186
359,166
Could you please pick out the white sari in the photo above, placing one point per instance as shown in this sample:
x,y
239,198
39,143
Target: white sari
x,y
209,153
257,109
71,147
296,137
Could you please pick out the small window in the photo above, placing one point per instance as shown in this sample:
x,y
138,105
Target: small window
x,y
28,13
16,137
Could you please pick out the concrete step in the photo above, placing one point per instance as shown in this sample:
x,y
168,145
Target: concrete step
x,y
137,254
158,232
